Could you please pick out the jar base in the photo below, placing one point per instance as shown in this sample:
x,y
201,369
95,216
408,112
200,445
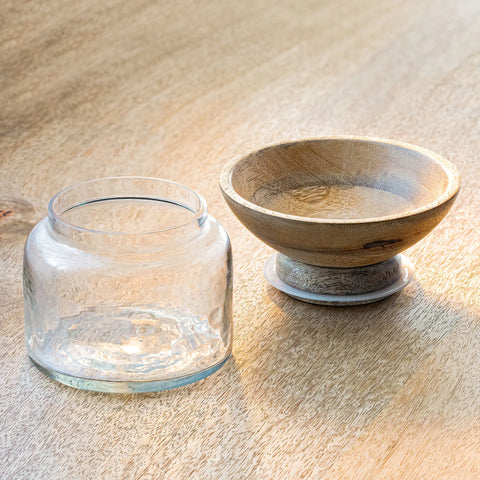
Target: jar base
x,y
114,386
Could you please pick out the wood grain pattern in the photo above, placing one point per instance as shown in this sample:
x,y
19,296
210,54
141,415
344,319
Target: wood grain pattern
x,y
349,230
176,89
338,281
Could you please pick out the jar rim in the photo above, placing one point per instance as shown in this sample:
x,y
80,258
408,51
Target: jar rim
x,y
199,213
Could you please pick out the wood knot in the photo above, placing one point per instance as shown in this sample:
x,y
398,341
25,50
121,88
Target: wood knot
x,y
17,217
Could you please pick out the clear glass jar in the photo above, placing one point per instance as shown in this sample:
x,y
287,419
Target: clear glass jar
x,y
128,287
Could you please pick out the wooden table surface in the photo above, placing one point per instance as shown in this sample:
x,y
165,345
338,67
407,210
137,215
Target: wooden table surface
x,y
175,89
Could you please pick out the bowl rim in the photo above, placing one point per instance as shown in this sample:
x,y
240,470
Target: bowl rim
x,y
452,188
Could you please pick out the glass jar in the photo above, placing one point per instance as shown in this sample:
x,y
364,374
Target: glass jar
x,y
128,287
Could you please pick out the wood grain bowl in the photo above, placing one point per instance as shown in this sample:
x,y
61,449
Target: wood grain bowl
x,y
340,201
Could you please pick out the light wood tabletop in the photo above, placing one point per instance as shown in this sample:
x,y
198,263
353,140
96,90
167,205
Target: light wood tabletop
x,y
176,89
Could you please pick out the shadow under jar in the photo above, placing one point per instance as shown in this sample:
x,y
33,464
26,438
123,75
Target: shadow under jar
x,y
128,287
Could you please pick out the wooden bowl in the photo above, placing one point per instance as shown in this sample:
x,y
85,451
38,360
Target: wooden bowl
x,y
340,201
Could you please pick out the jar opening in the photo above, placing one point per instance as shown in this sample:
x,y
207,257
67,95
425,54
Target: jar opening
x,y
127,206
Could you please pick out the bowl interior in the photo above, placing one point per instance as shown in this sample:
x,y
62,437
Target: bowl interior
x,y
338,178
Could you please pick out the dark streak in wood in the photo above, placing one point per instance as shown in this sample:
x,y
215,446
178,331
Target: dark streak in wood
x,y
381,243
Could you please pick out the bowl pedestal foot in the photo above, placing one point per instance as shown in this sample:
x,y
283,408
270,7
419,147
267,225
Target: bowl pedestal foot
x,y
338,286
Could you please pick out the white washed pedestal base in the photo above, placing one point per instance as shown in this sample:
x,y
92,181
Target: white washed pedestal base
x,y
407,271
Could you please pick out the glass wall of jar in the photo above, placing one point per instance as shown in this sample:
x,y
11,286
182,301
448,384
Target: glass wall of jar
x,y
128,287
